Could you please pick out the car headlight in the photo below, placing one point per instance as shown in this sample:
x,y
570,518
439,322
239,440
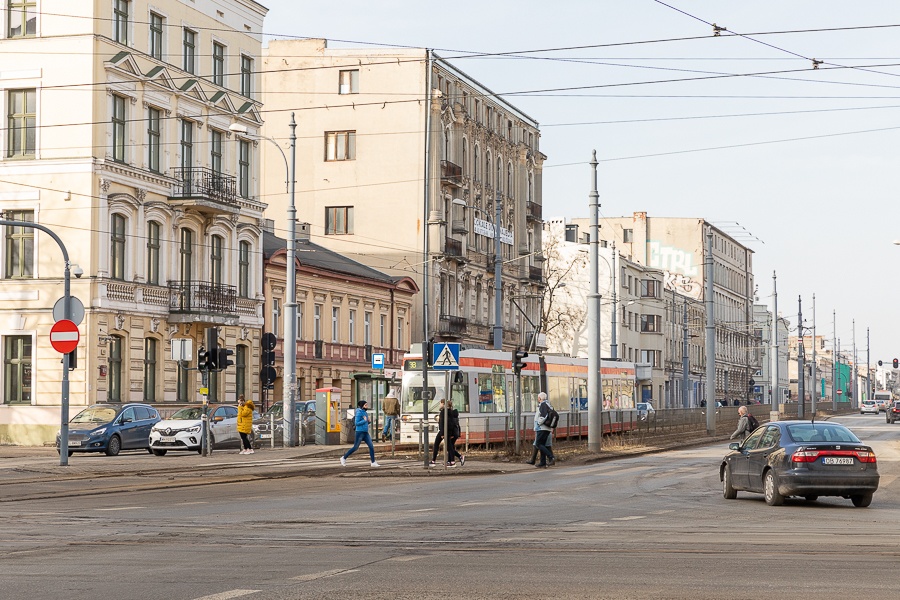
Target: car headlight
x,y
100,431
194,429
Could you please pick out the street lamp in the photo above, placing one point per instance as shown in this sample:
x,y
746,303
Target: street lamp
x,y
290,326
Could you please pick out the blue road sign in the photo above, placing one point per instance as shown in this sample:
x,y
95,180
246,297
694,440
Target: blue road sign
x,y
378,361
446,356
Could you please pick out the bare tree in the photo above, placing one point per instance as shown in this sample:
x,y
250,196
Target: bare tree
x,y
563,313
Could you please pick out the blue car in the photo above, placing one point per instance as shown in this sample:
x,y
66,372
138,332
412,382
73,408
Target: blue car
x,y
111,428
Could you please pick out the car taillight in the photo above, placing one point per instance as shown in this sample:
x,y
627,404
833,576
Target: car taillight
x,y
866,456
805,456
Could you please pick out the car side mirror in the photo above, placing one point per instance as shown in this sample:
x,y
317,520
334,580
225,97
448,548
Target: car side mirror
x,y
125,420
734,446
218,419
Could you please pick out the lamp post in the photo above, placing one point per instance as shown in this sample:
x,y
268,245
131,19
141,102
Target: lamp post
x,y
595,388
290,326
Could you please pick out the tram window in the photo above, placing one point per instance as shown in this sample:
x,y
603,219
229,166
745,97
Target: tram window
x,y
492,393
558,393
459,394
530,388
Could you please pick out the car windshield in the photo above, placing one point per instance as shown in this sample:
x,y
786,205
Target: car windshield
x,y
821,432
188,413
95,414
275,410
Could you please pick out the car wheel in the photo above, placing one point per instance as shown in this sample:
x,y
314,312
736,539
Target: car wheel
x,y
770,484
158,452
861,500
727,489
114,446
811,498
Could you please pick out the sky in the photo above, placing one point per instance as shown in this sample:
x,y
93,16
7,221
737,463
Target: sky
x,y
799,164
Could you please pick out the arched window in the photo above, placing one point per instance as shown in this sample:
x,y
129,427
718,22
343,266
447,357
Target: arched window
x,y
186,254
509,179
244,269
116,344
153,229
215,259
487,168
118,224
151,361
475,164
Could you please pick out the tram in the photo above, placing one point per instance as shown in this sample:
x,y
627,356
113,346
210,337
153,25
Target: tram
x,y
483,391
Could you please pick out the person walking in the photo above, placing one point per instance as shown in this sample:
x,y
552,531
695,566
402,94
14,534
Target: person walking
x,y
543,432
537,428
453,432
743,424
361,420
440,432
391,412
245,423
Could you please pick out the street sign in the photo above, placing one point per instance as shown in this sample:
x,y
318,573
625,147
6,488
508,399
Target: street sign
x,y
182,349
64,336
839,392
268,341
267,375
76,310
446,356
378,361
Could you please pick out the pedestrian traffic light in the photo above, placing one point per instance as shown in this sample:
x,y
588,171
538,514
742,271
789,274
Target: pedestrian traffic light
x,y
518,360
202,359
895,363
222,360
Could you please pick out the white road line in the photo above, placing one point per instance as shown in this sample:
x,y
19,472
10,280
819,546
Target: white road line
x,y
322,574
632,518
122,508
228,594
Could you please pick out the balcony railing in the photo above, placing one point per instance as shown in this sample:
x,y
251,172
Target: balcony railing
x,y
452,325
459,226
200,182
451,173
535,273
534,211
200,297
452,247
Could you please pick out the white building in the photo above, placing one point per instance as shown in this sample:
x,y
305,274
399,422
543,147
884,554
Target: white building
x,y
762,379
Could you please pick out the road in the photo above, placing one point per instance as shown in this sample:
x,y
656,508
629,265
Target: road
x,y
647,527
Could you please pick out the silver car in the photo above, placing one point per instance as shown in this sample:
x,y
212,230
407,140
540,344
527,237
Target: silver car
x,y
183,430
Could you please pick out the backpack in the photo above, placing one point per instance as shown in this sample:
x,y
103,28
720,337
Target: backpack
x,y
551,419
752,423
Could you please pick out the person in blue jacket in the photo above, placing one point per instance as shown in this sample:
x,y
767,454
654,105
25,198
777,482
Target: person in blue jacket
x,y
361,420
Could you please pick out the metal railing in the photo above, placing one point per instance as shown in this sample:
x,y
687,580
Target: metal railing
x,y
201,182
201,297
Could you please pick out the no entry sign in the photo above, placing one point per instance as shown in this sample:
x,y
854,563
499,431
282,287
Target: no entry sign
x,y
64,336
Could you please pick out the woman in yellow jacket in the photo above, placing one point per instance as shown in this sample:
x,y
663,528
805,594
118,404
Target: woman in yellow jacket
x,y
245,423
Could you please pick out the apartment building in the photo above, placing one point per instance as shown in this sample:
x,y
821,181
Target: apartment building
x,y
118,140
762,380
368,184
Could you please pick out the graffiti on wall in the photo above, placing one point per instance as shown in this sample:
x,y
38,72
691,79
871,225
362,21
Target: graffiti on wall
x,y
682,274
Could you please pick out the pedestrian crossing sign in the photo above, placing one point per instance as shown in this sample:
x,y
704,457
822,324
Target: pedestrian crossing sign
x,y
446,356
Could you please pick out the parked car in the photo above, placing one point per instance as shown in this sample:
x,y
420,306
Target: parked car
x,y
306,413
111,428
183,430
645,410
868,407
801,458
892,413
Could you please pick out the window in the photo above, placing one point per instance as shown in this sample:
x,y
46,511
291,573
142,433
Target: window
x,y
241,363
335,324
114,394
301,311
475,164
215,260
118,123
186,251
650,288
317,322
215,151
153,139
367,329
244,168
120,21
181,392
382,330
348,82
352,326
244,269
22,18
650,356
21,123
156,36
651,324
399,341
187,147
338,220
117,247
153,252
189,45
17,369
246,73
340,145
218,57
276,317
628,235
19,246
151,349
509,179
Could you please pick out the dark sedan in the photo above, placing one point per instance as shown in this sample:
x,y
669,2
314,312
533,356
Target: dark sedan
x,y
801,458
111,428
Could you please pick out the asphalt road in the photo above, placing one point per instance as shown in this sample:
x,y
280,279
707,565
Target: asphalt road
x,y
647,527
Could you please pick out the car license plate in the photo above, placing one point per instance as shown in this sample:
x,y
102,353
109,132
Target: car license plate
x,y
837,460
265,436
169,439
74,443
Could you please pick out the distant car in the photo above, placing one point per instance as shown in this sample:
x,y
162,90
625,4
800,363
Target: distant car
x,y
868,407
801,458
183,430
111,428
644,410
306,412
892,413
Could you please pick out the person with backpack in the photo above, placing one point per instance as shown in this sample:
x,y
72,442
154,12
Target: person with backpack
x,y
543,421
537,428
745,425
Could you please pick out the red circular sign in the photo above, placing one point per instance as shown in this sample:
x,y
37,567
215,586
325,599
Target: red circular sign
x,y
64,336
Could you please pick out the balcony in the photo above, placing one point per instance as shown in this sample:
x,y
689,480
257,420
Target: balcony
x,y
205,190
459,226
217,302
451,326
453,248
535,274
451,173
533,212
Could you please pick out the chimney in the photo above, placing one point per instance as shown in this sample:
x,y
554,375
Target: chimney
x,y
302,232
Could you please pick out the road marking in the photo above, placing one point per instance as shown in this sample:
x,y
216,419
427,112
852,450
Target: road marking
x,y
423,509
196,502
122,508
628,518
405,558
228,594
322,574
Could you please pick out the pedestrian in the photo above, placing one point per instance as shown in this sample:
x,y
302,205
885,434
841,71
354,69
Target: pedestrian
x,y
537,428
543,432
453,432
391,412
440,433
361,420
245,423
743,424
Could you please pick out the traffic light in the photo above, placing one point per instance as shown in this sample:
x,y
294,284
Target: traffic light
x,y
518,360
222,360
212,349
895,363
880,363
429,351
202,359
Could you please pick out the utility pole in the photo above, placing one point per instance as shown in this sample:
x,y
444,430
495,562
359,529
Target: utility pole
x,y
813,381
595,387
801,376
834,358
710,336
868,367
498,274
427,258
775,399
614,345
685,359
855,403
